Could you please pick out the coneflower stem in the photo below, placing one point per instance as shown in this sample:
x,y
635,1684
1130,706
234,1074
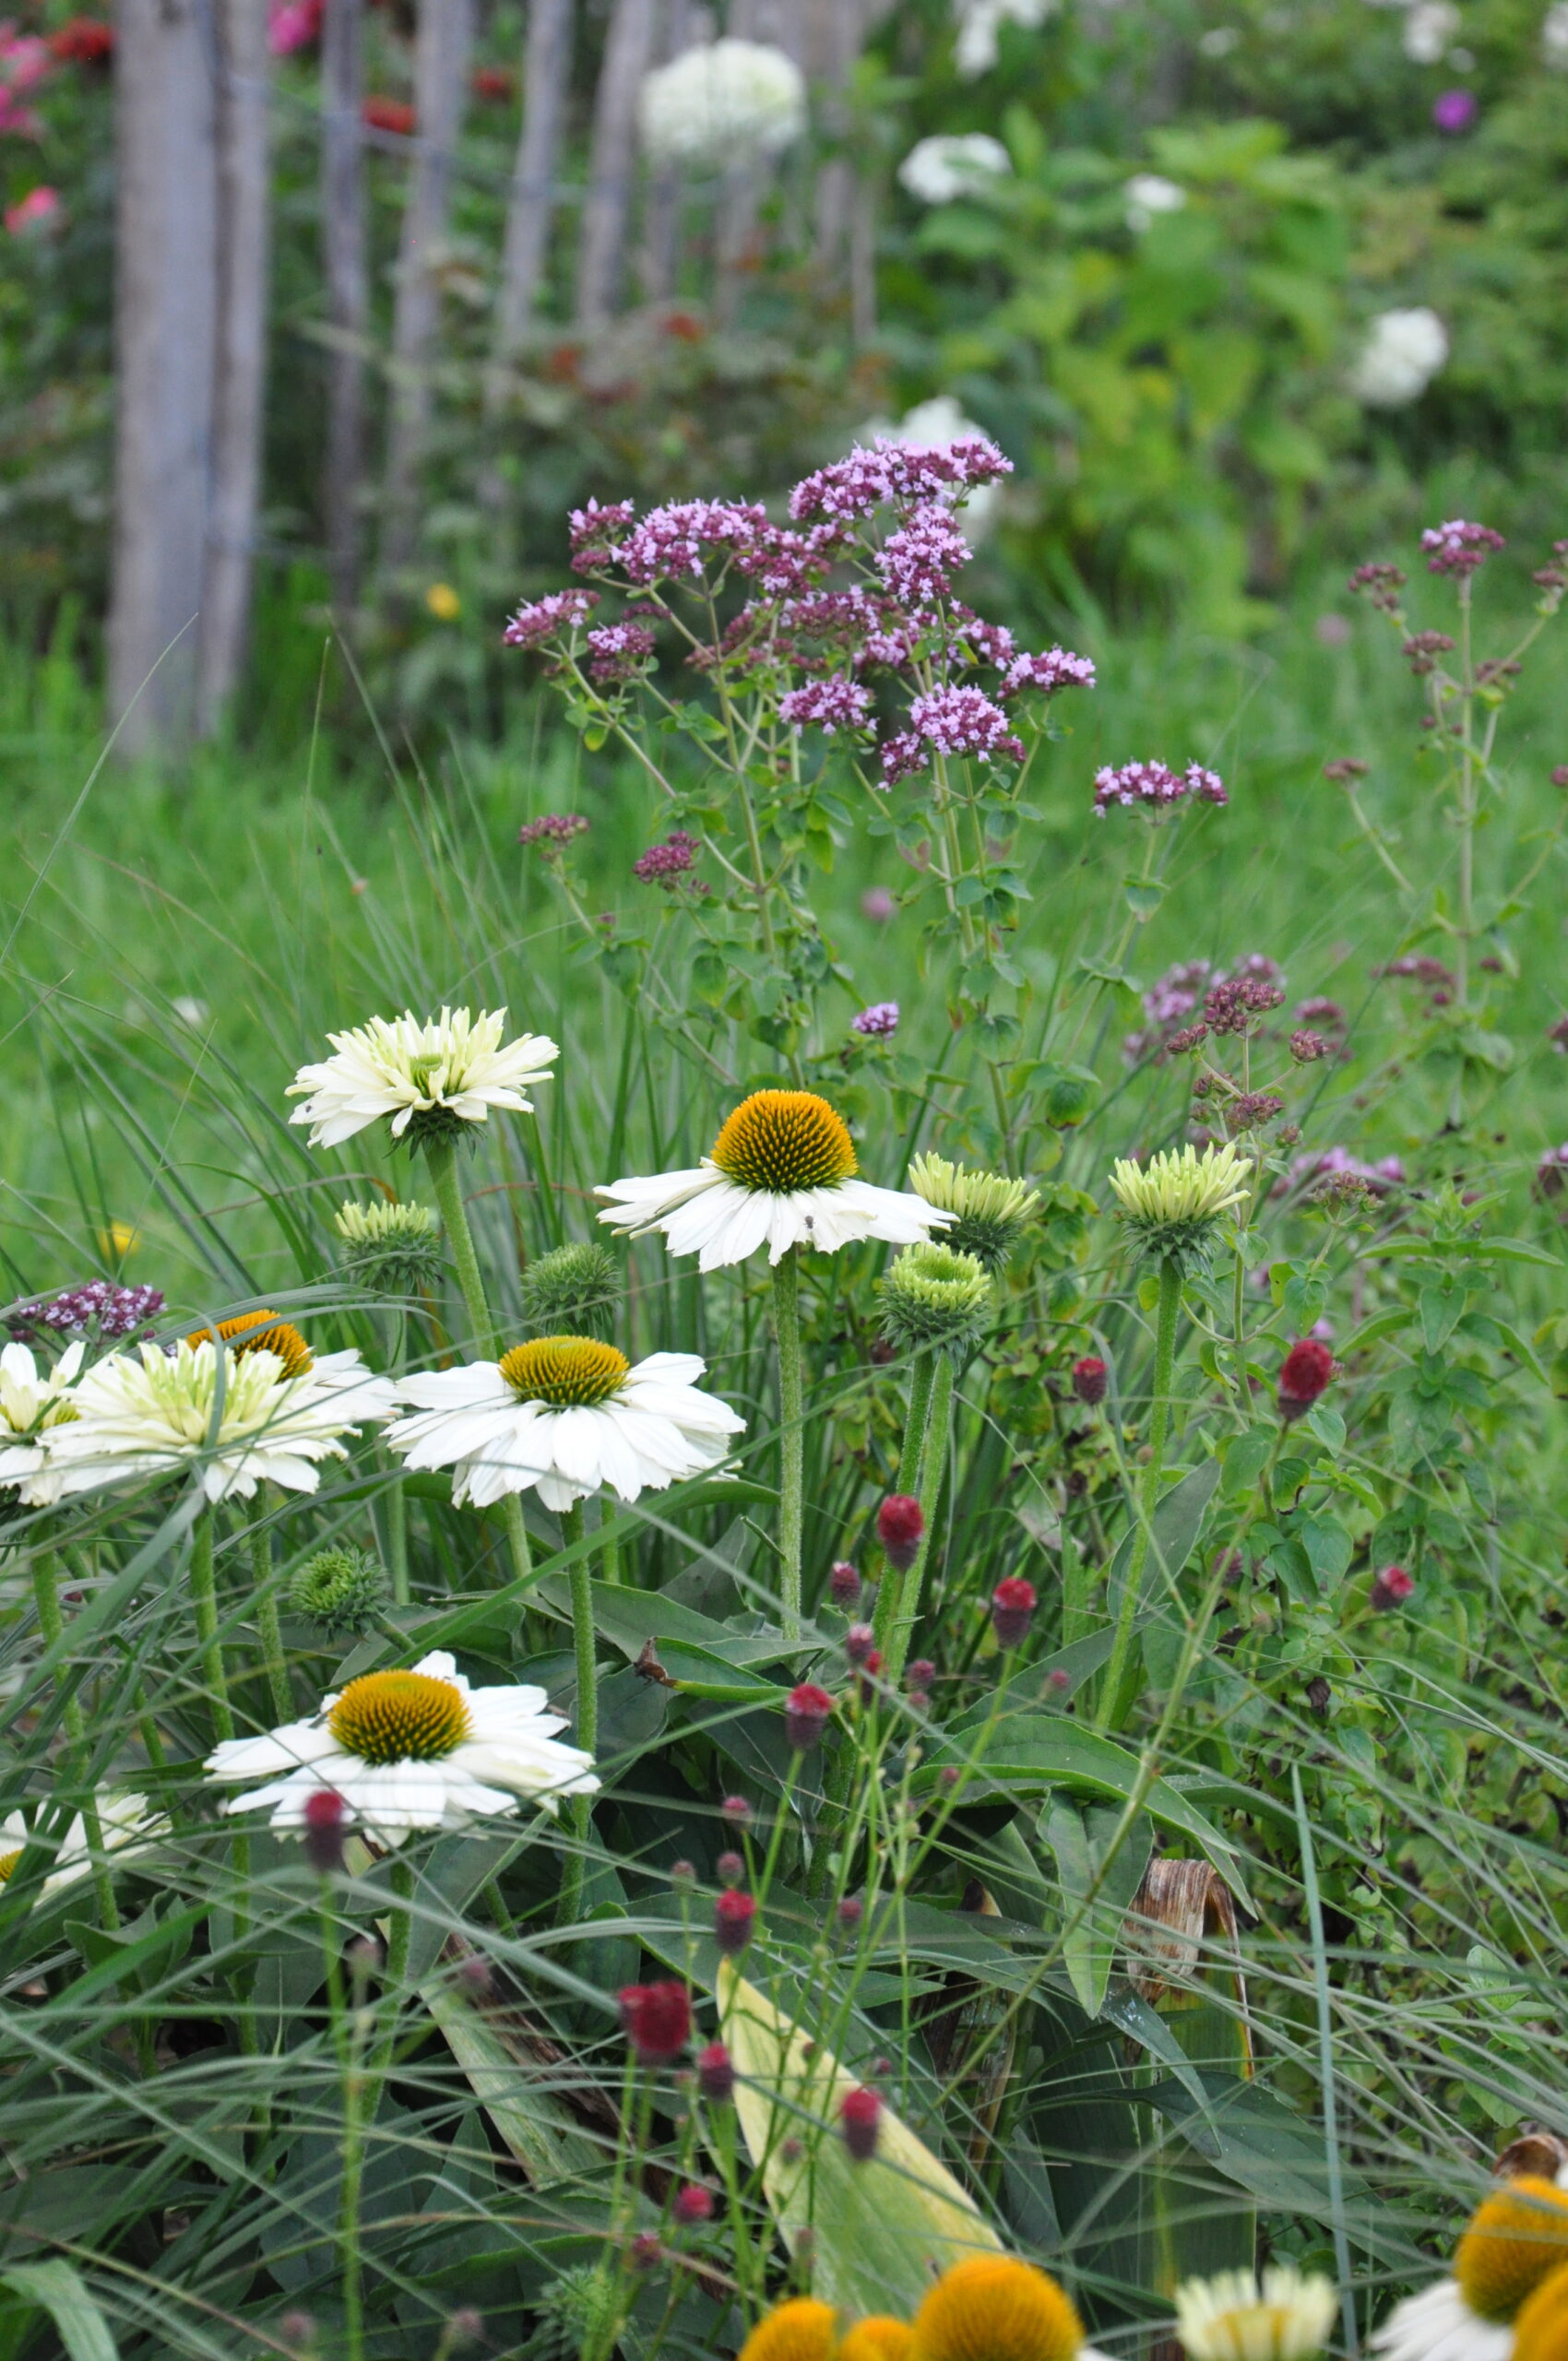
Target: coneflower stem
x,y
580,1575
204,1597
791,1437
1143,1530
52,1624
442,1157
267,1623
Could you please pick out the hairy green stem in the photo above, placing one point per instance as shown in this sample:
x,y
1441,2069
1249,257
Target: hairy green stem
x,y
204,1596
581,1578
442,1159
267,1623
1143,1531
52,1623
791,1437
916,1421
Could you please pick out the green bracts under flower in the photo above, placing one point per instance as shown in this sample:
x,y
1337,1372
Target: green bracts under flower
x,y
933,1297
989,1211
573,1290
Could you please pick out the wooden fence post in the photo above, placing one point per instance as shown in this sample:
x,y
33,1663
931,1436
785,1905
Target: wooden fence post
x,y
607,201
531,205
347,290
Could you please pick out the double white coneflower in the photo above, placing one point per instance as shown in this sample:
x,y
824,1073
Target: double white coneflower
x,y
425,1079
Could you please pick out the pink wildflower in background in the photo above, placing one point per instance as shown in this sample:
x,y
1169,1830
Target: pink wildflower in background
x,y
36,211
1057,669
833,704
880,1017
1154,786
1455,110
1458,547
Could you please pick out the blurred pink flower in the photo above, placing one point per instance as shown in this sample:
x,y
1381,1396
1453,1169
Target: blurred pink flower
x,y
293,25
24,59
1455,111
39,206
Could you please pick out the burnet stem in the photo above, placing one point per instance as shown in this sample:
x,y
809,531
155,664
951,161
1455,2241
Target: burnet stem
x,y
442,1157
898,1601
791,1437
1160,1424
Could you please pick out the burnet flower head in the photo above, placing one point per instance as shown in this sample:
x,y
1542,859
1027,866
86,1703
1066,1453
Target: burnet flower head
x,y
564,1416
1286,2316
407,1750
33,1400
721,104
251,1404
430,1081
127,1825
1516,2239
1173,1202
782,1173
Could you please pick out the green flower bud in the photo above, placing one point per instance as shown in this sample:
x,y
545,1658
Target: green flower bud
x,y
933,1297
989,1211
573,1290
393,1249
1173,1204
341,1590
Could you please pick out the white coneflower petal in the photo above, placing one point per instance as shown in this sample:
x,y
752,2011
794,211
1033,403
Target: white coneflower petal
x,y
154,1414
564,1416
437,1075
1436,2324
126,1825
1287,2316
32,1401
782,1173
409,1749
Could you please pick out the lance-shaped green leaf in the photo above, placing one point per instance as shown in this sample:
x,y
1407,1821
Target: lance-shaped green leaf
x,y
879,2230
53,2288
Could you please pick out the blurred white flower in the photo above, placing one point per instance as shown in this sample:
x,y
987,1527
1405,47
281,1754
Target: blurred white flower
x,y
975,50
193,1012
935,425
1554,37
1218,42
1403,353
409,1749
1148,194
1431,26
936,171
125,1822
1236,2317
721,104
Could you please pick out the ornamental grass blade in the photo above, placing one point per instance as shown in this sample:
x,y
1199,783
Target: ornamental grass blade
x,y
53,2286
873,2235
510,2066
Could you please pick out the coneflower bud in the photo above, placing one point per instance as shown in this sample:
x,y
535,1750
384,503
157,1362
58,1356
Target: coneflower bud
x,y
730,1868
325,1830
806,1714
859,2118
1012,1604
658,2019
1090,1378
1390,1589
716,2074
1303,1373
859,1642
733,1915
843,1583
900,1528
692,2204
736,1810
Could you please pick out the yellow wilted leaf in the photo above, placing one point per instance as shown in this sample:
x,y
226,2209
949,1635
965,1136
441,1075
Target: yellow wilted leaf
x,y
880,2231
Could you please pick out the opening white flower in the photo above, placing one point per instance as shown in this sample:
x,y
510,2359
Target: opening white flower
x,y
435,1077
407,1750
1173,1203
127,1825
242,1419
565,1414
781,1174
950,164
1517,2237
31,1401
1233,2316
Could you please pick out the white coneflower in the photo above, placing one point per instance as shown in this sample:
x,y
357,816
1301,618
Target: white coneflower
x,y
407,1750
781,1174
126,1824
1233,2316
239,1417
31,1401
429,1080
1517,2237
1173,1203
565,1414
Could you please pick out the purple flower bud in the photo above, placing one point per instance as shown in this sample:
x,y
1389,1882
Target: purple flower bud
x,y
859,2118
730,1868
843,1583
716,2074
1012,1604
859,1642
806,1714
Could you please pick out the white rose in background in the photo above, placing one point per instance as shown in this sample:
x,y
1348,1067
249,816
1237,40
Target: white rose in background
x,y
1403,353
722,104
936,171
1554,37
1431,27
1148,194
975,50
936,426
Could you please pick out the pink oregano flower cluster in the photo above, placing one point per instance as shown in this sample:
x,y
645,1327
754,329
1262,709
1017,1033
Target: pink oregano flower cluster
x,y
1459,548
850,612
1154,786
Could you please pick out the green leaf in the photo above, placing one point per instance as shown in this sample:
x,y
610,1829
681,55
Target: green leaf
x,y
882,2230
55,2288
1177,1521
1098,1885
540,2133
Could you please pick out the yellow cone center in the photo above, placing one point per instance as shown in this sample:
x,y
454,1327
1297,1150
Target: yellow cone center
x,y
1518,2237
785,1140
260,1331
995,2308
1540,2332
8,1862
400,1717
565,1372
801,2330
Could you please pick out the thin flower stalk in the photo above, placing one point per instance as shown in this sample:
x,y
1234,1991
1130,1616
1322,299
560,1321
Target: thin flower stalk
x,y
268,1624
51,1625
902,1592
581,1575
1109,1708
442,1156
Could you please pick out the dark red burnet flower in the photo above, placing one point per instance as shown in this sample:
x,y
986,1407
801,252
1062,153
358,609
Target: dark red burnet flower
x,y
693,2203
843,1583
1303,1373
734,1916
807,1711
859,1642
379,114
325,1827
1090,1378
716,2074
497,85
730,1868
1012,1604
658,2020
83,41
736,1810
860,2120
900,1528
1390,1587
852,1910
